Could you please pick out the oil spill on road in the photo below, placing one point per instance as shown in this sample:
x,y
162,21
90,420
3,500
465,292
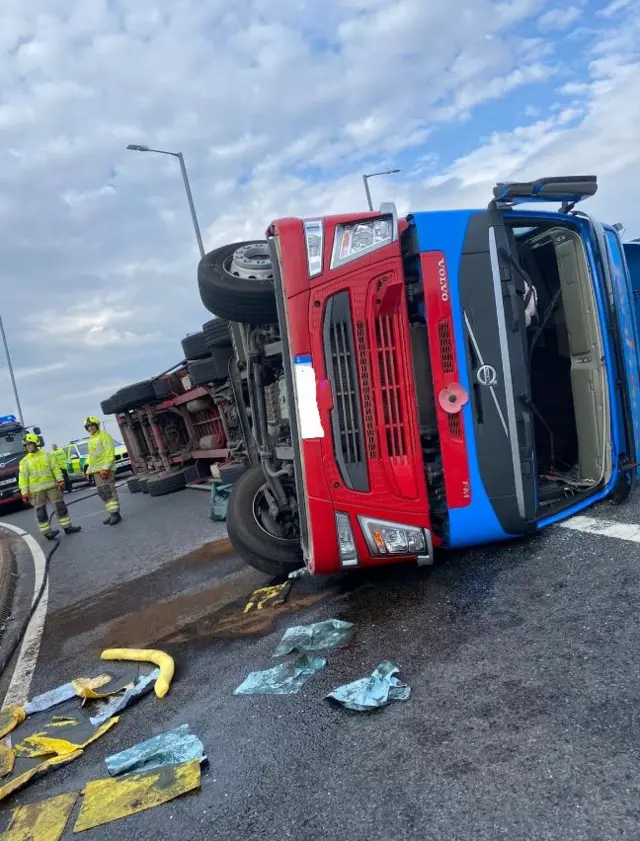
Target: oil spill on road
x,y
211,560
231,622
155,622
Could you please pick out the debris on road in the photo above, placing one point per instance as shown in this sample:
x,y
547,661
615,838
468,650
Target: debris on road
x,y
370,693
332,633
87,687
146,655
61,736
26,768
298,573
219,502
110,799
7,759
170,748
42,821
268,596
117,703
284,679
10,718
111,682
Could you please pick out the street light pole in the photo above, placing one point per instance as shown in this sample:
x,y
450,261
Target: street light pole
x,y
10,367
187,187
365,181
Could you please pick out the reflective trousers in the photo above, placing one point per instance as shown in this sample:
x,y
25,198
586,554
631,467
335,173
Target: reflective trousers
x,y
53,496
107,492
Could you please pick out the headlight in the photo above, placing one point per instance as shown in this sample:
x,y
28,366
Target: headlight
x,y
385,538
359,238
314,238
346,543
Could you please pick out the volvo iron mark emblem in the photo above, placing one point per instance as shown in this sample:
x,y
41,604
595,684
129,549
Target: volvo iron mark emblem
x,y
486,375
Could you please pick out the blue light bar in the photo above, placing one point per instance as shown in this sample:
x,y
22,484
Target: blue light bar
x,y
7,419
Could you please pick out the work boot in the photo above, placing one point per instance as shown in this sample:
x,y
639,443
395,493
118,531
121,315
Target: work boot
x,y
51,534
73,529
115,519
107,521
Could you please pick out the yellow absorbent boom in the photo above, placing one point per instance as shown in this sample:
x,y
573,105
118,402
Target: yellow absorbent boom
x,y
146,655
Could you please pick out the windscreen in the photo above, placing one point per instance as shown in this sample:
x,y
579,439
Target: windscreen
x,y
10,445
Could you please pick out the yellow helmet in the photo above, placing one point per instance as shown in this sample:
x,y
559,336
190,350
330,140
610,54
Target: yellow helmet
x,y
88,421
31,438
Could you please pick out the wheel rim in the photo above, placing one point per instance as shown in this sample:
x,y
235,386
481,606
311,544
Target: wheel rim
x,y
265,521
251,262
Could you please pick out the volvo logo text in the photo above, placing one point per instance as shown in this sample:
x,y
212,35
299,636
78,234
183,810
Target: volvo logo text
x,y
443,280
486,375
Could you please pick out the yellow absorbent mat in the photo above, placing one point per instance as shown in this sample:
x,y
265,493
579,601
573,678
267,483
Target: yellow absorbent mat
x,y
111,799
43,821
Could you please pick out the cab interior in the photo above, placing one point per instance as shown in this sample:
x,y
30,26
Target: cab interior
x,y
569,389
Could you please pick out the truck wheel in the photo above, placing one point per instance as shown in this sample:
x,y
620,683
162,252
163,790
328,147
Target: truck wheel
x,y
143,482
194,346
134,395
204,371
134,485
236,283
216,333
162,389
167,484
256,537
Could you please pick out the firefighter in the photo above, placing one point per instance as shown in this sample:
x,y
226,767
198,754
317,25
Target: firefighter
x,y
61,460
40,482
102,466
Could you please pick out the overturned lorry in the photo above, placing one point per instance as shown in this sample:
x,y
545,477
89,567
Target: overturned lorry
x,y
179,424
440,380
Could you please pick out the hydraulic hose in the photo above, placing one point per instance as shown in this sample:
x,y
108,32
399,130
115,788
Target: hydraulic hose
x,y
8,655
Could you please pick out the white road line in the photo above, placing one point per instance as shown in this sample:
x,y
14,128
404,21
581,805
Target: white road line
x,y
18,691
608,528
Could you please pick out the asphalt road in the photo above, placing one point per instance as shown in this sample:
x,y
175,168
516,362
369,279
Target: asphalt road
x,y
523,661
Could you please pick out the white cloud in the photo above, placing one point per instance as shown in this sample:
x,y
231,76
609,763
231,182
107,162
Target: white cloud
x,y
560,18
278,108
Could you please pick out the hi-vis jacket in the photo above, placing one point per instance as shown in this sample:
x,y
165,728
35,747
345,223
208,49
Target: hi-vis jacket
x,y
61,458
38,472
101,452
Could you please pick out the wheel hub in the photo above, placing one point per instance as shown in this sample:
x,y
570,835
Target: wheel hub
x,y
251,262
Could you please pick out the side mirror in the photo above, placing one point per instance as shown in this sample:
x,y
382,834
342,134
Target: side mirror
x,y
37,430
40,440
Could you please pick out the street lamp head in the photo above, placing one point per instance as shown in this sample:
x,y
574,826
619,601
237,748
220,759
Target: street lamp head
x,y
134,147
394,171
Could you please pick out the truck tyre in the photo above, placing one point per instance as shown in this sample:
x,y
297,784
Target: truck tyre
x,y
134,395
143,483
162,389
236,283
194,346
204,371
167,483
107,407
216,333
133,484
259,547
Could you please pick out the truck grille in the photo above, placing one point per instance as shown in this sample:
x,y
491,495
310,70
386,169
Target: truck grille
x,y
365,384
390,387
446,346
455,425
342,372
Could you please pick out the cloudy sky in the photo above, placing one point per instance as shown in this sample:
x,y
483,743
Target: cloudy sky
x,y
278,106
